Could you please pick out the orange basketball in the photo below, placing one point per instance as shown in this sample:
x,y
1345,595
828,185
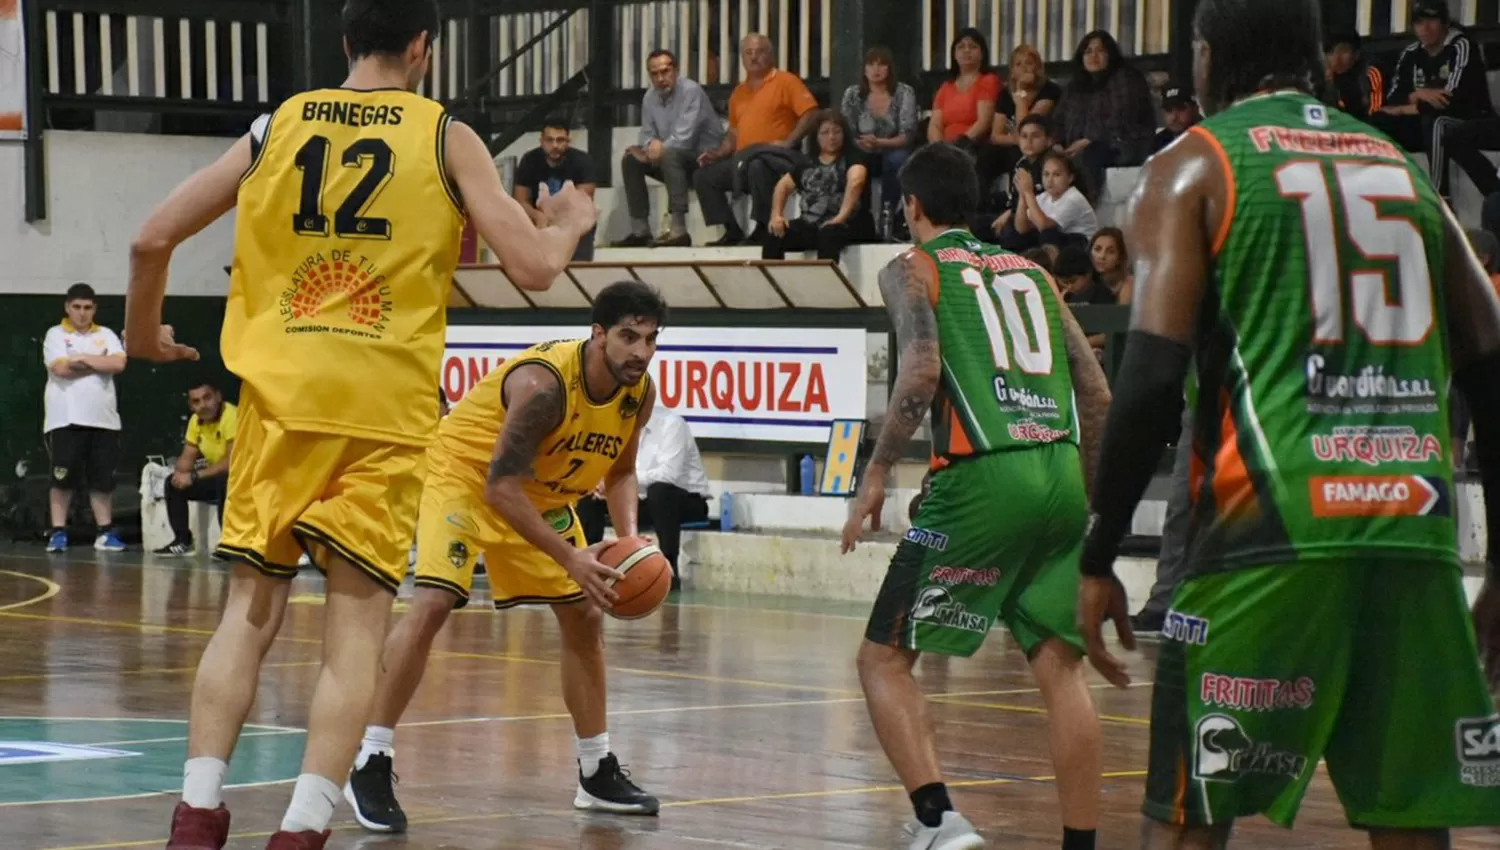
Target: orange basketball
x,y
648,577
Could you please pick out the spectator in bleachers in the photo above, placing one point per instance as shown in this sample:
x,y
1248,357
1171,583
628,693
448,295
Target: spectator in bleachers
x,y
963,112
1076,280
81,425
1056,212
1487,247
1035,138
1106,118
1027,93
769,112
1438,85
673,485
1045,256
1112,263
832,189
202,473
552,165
1179,111
678,124
1356,85
882,111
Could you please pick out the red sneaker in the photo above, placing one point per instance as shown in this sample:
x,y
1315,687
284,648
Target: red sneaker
x,y
305,840
199,829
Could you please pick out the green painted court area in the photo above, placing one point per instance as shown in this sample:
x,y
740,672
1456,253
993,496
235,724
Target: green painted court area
x,y
52,759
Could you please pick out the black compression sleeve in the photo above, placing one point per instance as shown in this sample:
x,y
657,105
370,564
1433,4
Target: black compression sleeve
x,y
1480,383
1144,415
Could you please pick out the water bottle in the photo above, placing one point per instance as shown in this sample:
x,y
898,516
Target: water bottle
x,y
808,470
726,511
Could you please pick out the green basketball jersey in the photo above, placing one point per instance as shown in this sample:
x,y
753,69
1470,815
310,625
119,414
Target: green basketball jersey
x,y
1006,381
1321,417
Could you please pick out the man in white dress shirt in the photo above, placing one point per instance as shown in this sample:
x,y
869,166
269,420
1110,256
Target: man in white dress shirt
x,y
673,485
82,421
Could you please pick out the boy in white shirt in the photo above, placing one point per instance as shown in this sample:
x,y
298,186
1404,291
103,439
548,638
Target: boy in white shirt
x,y
82,422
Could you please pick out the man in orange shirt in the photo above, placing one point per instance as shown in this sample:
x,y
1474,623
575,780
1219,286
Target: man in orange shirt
x,y
771,108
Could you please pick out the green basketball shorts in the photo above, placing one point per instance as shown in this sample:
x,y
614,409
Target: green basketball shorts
x,y
999,537
1369,665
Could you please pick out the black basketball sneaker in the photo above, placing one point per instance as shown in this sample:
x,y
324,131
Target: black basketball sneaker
x,y
610,790
371,792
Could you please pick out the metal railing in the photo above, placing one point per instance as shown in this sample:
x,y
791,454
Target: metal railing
x,y
94,54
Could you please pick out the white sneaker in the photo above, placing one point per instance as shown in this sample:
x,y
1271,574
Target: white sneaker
x,y
955,833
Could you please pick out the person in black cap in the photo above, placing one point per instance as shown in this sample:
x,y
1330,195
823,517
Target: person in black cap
x,y
1179,111
1438,84
1356,85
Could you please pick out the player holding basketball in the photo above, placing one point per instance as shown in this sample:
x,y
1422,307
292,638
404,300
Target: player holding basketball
x,y
1307,266
511,462
351,205
988,347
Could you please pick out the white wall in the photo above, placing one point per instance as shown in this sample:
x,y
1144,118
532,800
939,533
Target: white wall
x,y
100,188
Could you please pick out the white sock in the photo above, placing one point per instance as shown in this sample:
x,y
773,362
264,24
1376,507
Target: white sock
x,y
203,782
378,740
591,751
312,804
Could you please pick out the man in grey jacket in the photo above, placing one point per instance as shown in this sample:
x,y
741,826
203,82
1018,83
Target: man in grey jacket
x,y
678,122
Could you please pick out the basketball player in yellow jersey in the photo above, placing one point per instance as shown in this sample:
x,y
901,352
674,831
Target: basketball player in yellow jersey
x,y
511,461
351,204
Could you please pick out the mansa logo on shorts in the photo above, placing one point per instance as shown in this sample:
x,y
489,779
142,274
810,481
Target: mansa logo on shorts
x,y
1224,753
1479,751
938,607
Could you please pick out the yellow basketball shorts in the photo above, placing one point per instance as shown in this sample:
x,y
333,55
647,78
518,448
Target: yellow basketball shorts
x,y
456,525
294,491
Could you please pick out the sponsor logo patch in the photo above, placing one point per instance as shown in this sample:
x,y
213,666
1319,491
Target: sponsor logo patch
x,y
1479,751
927,539
1245,694
1224,753
561,519
1376,446
1185,628
458,554
1378,495
964,575
937,607
1368,390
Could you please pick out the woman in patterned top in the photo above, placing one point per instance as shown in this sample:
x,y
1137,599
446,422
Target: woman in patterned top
x,y
1106,118
882,111
832,188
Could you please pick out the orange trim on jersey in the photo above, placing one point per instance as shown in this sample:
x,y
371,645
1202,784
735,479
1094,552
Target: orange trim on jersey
x,y
1230,192
1377,88
1233,491
1196,470
1179,800
933,281
958,438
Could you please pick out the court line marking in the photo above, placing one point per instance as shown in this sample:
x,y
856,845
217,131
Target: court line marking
x,y
675,804
52,589
141,671
942,698
270,726
1028,709
139,796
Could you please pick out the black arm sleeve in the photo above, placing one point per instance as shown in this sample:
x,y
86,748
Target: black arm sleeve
x,y
1480,384
1145,414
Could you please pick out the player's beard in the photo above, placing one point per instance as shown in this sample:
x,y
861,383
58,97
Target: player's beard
x,y
626,372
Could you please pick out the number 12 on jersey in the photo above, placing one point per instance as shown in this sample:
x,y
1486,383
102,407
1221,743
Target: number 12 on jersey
x,y
1377,239
1031,348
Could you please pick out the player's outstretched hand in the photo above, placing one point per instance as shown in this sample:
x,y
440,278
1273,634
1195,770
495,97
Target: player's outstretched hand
x,y
592,576
1101,599
867,505
162,348
571,207
1487,629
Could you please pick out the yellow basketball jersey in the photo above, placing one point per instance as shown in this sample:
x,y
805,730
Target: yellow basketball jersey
x,y
574,458
346,240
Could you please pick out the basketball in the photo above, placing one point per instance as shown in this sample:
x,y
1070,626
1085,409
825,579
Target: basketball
x,y
648,577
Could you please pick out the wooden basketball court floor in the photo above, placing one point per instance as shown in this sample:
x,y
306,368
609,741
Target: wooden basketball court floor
x,y
743,714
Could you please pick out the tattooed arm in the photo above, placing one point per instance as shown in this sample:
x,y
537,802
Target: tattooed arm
x,y
1090,388
534,407
905,285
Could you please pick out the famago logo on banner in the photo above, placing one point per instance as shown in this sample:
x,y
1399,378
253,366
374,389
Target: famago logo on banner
x,y
780,384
